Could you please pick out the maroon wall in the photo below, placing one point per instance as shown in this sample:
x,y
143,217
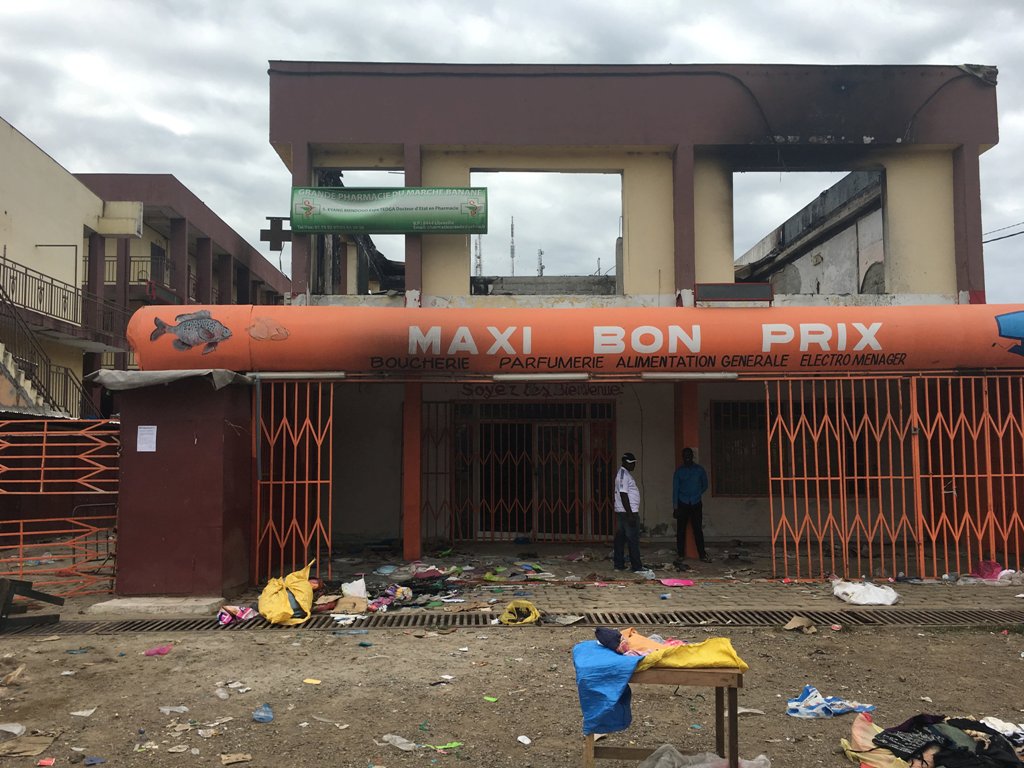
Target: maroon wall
x,y
184,517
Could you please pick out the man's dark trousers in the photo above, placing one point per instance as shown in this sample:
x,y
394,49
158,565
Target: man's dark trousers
x,y
690,514
627,532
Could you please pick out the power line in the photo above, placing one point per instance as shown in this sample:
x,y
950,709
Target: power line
x,y
1008,226
1004,237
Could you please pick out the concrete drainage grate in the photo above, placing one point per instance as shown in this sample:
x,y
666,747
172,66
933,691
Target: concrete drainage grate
x,y
864,617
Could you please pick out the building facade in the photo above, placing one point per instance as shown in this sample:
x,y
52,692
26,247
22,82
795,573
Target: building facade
x,y
449,413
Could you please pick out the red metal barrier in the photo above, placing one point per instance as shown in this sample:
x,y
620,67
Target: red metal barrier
x,y
59,456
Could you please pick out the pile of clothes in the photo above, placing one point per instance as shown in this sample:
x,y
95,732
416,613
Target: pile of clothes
x,y
936,741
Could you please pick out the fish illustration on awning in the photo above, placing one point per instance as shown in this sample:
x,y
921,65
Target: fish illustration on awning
x,y
192,330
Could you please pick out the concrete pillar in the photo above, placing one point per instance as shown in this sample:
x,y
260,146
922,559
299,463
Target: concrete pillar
x,y
204,270
413,243
122,281
179,259
412,422
918,210
970,268
712,222
302,245
225,279
243,285
96,264
683,220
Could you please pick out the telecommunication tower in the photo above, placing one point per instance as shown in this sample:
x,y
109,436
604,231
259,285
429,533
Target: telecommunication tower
x,y
512,247
540,263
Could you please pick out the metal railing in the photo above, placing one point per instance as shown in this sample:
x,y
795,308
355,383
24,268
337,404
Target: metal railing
x,y
30,289
58,387
154,269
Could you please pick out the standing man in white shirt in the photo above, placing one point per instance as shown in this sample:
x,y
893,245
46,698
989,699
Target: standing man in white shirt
x,y
627,513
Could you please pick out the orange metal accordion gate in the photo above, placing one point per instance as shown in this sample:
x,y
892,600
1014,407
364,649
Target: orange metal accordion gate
x,y
919,475
293,450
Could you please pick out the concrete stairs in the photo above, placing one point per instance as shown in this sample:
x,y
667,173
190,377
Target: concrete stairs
x,y
17,392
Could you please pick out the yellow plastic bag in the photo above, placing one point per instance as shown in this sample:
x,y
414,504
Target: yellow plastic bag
x,y
520,612
288,601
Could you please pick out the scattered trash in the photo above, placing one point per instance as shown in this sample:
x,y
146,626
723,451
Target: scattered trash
x,y
8,730
443,748
491,699
178,748
177,710
665,596
263,713
748,711
288,601
519,612
667,756
864,593
311,681
927,698
397,741
46,761
160,650
365,644
355,588
525,740
677,582
836,627
27,746
811,704
12,677
207,733
230,614
237,757
564,620
67,673
805,625
96,760
222,693
84,712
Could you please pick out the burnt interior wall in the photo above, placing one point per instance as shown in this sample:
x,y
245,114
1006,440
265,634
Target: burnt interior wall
x,y
184,519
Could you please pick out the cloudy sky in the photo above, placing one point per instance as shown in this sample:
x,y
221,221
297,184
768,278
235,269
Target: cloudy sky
x,y
181,87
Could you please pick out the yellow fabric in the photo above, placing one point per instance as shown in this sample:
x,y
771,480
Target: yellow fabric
x,y
274,604
715,652
520,612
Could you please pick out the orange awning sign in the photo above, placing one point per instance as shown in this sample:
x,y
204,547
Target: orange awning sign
x,y
600,342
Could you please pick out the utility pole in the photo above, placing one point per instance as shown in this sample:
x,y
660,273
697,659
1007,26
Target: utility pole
x,y
540,263
478,258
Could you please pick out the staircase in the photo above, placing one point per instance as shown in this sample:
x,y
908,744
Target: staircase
x,y
29,380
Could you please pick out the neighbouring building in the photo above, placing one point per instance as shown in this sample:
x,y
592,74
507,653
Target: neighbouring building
x,y
78,255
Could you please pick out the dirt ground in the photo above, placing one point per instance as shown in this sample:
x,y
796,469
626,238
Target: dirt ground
x,y
392,681
382,682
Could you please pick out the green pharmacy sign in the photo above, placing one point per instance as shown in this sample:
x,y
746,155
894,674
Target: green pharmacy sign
x,y
389,211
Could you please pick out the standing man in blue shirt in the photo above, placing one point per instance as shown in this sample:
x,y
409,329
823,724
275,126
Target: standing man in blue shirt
x,y
688,485
627,513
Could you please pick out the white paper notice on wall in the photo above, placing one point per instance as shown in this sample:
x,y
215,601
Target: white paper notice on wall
x,y
145,440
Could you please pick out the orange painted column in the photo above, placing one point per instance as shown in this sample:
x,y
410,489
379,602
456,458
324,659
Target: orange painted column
x,y
412,421
687,411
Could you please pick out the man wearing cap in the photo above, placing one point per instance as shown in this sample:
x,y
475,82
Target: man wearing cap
x,y
627,512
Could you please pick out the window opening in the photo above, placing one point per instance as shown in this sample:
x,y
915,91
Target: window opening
x,y
548,233
810,233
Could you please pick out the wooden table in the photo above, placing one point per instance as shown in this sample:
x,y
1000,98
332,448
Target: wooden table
x,y
726,682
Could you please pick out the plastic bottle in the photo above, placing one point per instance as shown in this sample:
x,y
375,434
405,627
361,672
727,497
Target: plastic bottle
x,y
263,713
222,693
